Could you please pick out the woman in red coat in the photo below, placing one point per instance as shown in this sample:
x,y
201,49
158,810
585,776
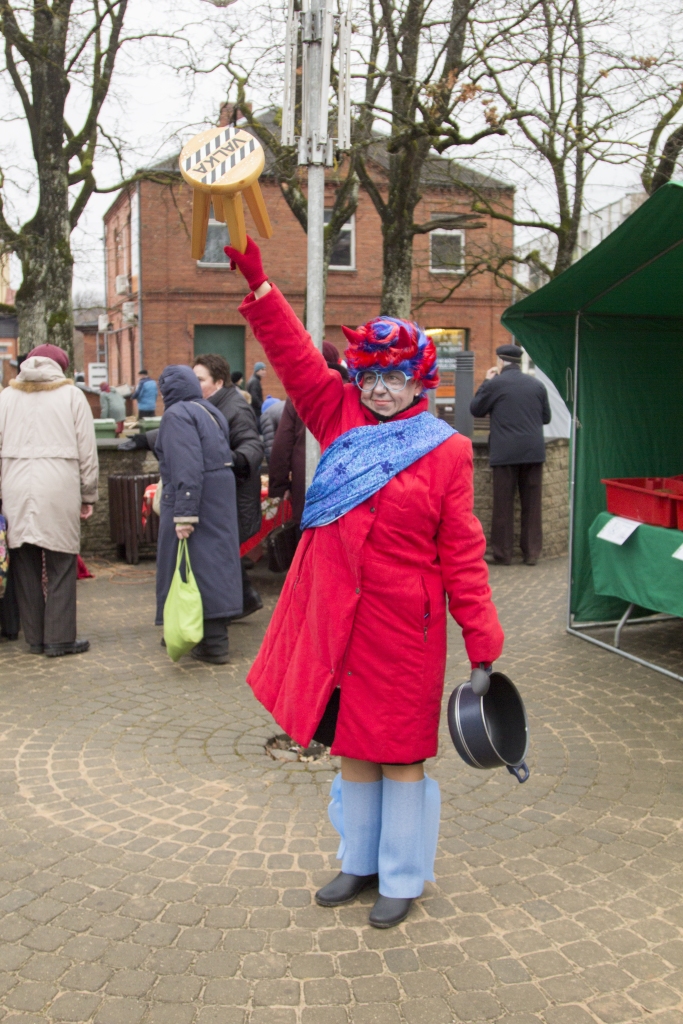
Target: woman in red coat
x,y
389,537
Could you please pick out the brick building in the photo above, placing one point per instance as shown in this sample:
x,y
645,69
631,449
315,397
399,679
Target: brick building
x,y
164,307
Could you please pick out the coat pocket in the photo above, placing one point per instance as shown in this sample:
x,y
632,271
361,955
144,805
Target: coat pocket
x,y
426,608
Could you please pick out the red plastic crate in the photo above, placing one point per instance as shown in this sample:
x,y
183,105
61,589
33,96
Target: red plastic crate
x,y
648,499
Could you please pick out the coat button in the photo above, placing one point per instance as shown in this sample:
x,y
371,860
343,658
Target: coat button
x,y
348,673
187,494
358,590
372,509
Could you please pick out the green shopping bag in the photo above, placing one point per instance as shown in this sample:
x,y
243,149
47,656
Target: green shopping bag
x,y
183,612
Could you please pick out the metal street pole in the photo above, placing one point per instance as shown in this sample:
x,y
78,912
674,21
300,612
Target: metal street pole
x,y
315,313
316,22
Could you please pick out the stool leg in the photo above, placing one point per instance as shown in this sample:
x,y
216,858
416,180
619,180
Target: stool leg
x,y
201,203
257,208
218,209
234,218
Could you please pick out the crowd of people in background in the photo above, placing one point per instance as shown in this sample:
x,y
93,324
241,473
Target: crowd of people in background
x,y
216,439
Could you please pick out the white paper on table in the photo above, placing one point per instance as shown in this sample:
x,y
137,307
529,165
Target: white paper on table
x,y
618,530
678,553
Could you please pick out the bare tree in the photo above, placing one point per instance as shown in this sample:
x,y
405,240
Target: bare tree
x,y
565,82
420,51
50,47
658,169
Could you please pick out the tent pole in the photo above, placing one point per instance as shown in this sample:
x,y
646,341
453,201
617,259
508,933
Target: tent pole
x,y
572,469
625,654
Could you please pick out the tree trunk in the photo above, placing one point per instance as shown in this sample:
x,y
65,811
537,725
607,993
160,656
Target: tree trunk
x,y
397,291
43,300
44,305
405,169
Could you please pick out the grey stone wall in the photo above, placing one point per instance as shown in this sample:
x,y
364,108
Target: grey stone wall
x,y
95,538
95,532
555,495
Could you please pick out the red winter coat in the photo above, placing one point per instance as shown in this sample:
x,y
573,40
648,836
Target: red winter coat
x,y
363,606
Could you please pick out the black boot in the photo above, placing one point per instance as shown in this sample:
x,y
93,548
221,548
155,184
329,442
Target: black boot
x,y
343,889
389,911
58,650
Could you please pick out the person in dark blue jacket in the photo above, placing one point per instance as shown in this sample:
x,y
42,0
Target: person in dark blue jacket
x,y
145,395
198,501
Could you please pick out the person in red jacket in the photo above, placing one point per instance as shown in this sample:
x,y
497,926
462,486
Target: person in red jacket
x,y
388,534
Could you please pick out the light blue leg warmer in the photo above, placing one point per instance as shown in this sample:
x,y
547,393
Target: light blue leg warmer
x,y
356,812
410,831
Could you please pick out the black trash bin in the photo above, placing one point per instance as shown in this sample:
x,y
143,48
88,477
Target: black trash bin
x,y
126,492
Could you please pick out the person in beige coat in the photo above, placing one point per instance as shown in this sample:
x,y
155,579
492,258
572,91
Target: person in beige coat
x,y
48,482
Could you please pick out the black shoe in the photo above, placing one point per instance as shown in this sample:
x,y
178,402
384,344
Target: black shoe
x,y
58,650
490,560
210,659
343,889
389,911
36,649
251,603
10,636
530,561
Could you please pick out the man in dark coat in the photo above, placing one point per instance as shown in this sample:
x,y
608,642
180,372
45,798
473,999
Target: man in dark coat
x,y
518,406
214,377
255,389
198,502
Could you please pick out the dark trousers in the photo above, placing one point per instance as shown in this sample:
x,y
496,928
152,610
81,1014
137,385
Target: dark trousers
x,y
527,477
51,619
215,642
9,609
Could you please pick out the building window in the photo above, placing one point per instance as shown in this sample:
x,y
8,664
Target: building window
x,y
216,238
446,251
344,252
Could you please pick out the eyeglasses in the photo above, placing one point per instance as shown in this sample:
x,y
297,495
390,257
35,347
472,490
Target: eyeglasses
x,y
393,380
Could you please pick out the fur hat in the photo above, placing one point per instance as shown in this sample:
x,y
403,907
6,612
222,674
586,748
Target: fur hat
x,y
385,343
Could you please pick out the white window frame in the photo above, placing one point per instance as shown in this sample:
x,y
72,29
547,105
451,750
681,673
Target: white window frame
x,y
214,266
351,224
448,270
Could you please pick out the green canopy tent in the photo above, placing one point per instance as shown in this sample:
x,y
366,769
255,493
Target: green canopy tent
x,y
609,334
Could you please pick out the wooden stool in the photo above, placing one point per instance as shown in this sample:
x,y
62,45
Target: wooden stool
x,y
220,164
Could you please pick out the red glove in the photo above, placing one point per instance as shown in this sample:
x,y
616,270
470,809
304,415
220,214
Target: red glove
x,y
248,263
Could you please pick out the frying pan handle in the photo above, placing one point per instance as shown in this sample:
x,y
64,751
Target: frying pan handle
x,y
520,771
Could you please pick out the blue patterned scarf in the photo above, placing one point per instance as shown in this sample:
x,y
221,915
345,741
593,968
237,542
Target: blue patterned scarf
x,y
361,461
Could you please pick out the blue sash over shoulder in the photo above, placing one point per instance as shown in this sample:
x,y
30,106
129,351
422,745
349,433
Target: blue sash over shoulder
x,y
361,461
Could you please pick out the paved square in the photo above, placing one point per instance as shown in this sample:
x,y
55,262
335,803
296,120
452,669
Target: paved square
x,y
156,866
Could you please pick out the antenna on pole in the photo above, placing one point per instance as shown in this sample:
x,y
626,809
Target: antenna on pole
x,y
289,98
315,24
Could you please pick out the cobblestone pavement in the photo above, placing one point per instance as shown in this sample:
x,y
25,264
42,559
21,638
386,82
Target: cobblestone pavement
x,y
157,867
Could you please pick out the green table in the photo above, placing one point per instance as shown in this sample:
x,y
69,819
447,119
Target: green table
x,y
640,571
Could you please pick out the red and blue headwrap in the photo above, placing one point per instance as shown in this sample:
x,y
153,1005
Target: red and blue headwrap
x,y
387,343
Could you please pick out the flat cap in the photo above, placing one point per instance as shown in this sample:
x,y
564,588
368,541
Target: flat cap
x,y
511,353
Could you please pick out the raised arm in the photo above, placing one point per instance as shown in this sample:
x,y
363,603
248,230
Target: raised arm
x,y
316,391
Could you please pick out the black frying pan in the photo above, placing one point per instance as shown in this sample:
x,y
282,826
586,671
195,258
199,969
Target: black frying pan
x,y
490,730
